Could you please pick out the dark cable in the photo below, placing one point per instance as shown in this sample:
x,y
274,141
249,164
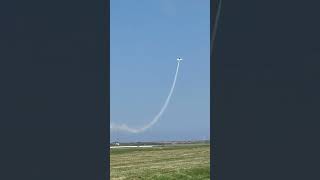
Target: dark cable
x,y
216,21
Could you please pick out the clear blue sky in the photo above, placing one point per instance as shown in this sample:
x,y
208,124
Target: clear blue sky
x,y
146,38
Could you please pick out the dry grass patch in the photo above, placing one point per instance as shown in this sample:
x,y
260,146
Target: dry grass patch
x,y
168,162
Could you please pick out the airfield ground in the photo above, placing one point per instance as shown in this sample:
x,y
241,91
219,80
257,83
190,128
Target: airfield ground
x,y
187,162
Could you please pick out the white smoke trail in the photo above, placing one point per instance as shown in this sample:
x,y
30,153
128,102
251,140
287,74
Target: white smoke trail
x,y
124,127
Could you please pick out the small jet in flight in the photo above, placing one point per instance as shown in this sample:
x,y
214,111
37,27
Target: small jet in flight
x,y
179,59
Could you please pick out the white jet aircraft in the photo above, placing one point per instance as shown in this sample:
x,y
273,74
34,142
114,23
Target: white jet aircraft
x,y
179,59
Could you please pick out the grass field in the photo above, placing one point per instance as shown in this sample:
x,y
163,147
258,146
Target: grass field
x,y
161,163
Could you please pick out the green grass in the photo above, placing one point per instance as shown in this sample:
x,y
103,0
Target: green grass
x,y
187,162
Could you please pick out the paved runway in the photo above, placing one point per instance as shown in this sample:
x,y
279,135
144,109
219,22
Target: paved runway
x,y
132,146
